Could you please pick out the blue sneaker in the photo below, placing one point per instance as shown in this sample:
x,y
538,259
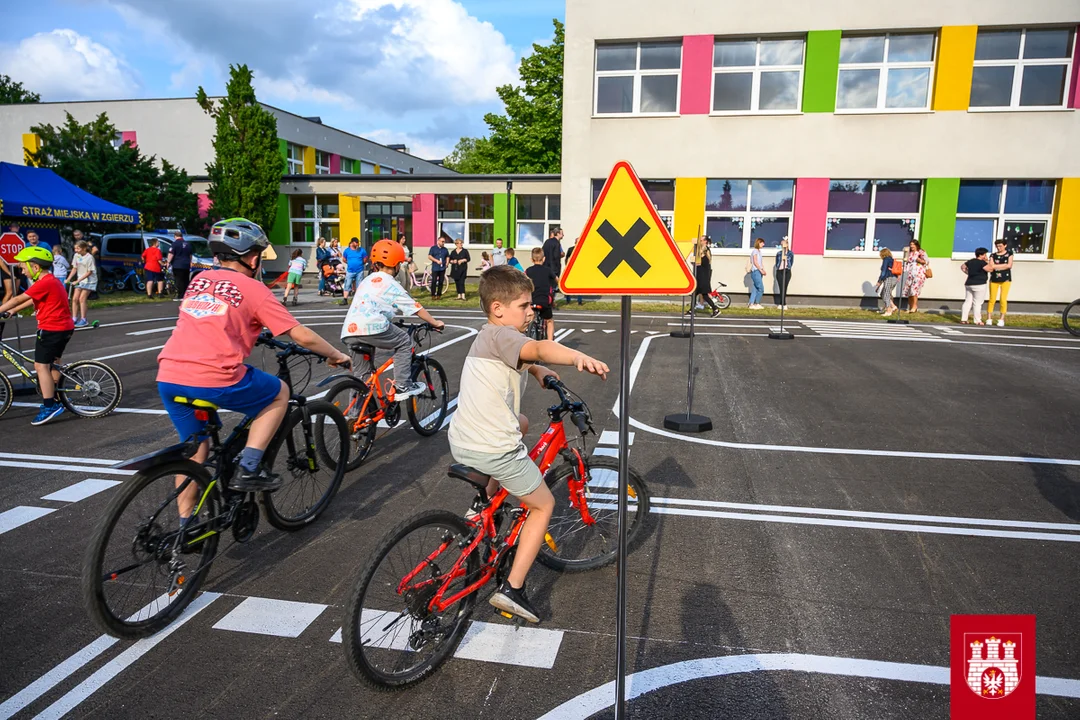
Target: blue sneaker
x,y
45,414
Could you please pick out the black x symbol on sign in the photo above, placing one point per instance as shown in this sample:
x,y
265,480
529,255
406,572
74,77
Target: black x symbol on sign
x,y
623,248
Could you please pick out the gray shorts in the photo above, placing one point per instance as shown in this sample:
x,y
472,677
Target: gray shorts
x,y
514,470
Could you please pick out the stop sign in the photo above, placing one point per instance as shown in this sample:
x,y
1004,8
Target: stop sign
x,y
10,245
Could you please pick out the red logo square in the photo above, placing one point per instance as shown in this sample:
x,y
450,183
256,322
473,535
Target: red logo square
x,y
992,662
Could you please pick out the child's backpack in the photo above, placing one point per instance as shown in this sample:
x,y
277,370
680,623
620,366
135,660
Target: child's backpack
x,y
897,267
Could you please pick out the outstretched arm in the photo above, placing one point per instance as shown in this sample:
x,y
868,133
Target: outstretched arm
x,y
549,351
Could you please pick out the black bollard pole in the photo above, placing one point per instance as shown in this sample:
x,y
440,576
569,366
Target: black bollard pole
x,y
689,422
782,334
682,332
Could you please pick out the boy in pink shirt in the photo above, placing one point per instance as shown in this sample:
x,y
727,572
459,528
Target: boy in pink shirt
x,y
221,316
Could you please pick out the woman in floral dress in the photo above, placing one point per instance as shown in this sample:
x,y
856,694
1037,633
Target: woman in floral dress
x,y
915,265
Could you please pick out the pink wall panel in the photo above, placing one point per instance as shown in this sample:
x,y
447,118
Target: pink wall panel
x,y
204,205
128,136
811,210
1074,89
697,59
423,222
335,164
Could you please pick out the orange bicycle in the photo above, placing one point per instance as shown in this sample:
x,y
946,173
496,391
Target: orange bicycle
x,y
369,399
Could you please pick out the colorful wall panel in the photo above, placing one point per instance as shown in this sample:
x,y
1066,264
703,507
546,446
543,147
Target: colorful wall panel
x,y
821,71
697,61
689,211
31,144
205,204
952,76
937,227
335,164
811,213
505,212
309,161
1065,235
349,226
129,136
281,233
423,224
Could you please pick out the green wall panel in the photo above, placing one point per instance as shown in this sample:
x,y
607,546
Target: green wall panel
x,y
822,69
279,235
504,221
938,225
283,147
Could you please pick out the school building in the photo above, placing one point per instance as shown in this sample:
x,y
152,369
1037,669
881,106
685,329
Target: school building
x,y
846,126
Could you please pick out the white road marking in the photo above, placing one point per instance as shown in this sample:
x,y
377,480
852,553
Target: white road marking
x,y
639,358
606,451
57,458
263,616
168,328
20,515
114,667
608,332
84,469
588,330
81,490
645,681
134,411
129,352
506,644
610,437
54,677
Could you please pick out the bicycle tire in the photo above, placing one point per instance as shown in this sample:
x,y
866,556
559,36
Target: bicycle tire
x,y
569,531
723,301
122,623
348,397
7,394
103,372
298,473
1070,317
426,421
105,284
536,329
361,652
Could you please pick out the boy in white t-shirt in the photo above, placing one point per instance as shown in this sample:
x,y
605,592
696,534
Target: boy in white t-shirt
x,y
485,432
377,298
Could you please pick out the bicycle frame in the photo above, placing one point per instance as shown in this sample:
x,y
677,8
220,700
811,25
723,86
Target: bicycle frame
x,y
17,359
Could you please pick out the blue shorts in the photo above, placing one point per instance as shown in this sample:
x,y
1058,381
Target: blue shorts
x,y
152,276
249,396
351,279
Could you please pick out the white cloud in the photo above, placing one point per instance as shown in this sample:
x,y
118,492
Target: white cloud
x,y
421,148
64,65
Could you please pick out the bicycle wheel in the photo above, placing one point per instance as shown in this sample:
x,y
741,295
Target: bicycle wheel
x,y
105,284
1070,318
132,585
581,546
722,300
428,409
89,388
348,397
7,392
392,640
311,459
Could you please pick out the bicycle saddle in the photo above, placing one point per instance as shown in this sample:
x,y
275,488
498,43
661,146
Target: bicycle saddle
x,y
474,477
362,348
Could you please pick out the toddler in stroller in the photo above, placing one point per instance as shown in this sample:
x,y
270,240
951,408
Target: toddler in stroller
x,y
333,278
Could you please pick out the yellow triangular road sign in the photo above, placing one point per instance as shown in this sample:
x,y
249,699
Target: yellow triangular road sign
x,y
625,248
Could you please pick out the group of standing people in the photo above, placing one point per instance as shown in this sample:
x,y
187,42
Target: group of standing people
x,y
456,262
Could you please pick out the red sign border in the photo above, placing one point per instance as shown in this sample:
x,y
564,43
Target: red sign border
x,y
623,164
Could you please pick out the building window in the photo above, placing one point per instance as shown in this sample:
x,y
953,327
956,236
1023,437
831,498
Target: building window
x,y
737,212
660,192
322,163
346,166
295,157
763,75
885,72
638,78
1022,68
367,168
1018,211
468,217
537,217
313,216
867,215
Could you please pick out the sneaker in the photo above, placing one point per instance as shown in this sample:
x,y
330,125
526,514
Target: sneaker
x,y
81,322
45,414
408,390
715,313
1001,322
514,602
176,299
258,480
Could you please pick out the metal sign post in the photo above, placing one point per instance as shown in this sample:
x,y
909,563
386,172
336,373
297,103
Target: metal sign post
x,y
624,483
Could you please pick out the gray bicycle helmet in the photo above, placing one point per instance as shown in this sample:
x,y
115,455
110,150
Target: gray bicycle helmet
x,y
237,237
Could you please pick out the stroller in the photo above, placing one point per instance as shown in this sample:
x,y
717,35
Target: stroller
x,y
333,281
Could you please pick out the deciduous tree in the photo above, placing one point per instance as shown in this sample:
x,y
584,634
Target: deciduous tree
x,y
13,93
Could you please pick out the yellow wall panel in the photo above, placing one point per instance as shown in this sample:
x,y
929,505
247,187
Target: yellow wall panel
x,y
31,144
309,161
952,76
689,211
1065,235
349,207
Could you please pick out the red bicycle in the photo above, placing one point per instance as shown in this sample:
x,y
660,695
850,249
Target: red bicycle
x,y
411,605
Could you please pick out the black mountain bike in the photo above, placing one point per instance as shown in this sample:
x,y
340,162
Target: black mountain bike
x,y
142,568
537,329
1070,317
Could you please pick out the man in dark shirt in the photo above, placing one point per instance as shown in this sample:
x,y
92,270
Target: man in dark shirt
x,y
179,259
553,254
437,256
544,282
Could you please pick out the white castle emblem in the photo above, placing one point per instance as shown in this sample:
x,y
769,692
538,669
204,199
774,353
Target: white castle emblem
x,y
996,674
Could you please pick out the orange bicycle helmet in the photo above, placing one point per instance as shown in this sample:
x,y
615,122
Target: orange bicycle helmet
x,y
387,253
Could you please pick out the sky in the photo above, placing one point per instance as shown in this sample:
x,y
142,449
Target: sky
x,y
421,72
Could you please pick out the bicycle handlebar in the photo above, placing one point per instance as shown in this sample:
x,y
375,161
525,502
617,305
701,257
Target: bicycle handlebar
x,y
286,349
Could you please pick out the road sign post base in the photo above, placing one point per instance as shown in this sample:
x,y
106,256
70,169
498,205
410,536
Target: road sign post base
x,y
781,335
680,334
687,422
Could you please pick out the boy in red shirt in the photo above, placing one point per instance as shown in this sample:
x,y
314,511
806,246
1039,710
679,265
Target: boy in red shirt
x,y
151,258
55,325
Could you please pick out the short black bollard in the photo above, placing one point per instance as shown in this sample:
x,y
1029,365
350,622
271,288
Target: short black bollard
x,y
688,421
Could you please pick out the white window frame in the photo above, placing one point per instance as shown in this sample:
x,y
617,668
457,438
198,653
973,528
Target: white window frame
x,y
1018,66
871,218
295,164
883,68
747,216
316,221
467,221
322,168
345,163
757,69
1001,218
637,74
547,222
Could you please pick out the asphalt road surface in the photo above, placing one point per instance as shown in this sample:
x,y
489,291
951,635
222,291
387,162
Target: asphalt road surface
x,y
861,484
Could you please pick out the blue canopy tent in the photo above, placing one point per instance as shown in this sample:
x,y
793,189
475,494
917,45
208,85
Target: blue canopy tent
x,y
35,194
